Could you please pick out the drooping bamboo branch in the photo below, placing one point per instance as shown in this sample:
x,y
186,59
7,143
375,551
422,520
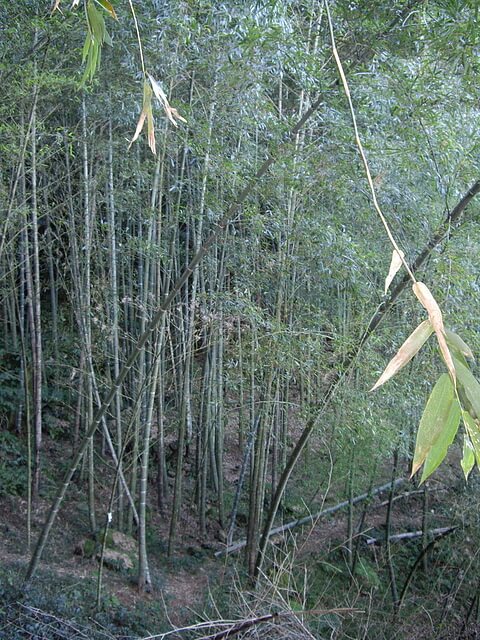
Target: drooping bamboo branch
x,y
411,535
450,223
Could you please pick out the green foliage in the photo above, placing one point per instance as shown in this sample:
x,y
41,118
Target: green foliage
x,y
11,395
367,571
299,272
438,426
96,36
13,465
90,548
447,404
62,607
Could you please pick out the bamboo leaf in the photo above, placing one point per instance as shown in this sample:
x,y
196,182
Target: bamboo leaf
x,y
176,115
395,265
108,7
159,92
86,47
472,427
97,35
434,420
445,438
151,131
435,315
469,389
162,98
454,341
468,457
95,21
138,130
170,112
407,351
147,115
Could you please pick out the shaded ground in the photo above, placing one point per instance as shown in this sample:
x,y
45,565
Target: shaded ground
x,y
319,577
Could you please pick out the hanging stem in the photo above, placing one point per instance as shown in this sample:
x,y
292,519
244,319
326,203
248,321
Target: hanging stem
x,y
360,147
139,40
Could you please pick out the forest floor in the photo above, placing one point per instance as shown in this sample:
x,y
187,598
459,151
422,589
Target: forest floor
x,y
193,582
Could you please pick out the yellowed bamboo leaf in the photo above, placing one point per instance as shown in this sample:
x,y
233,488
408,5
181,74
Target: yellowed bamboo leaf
x,y
138,130
395,264
162,98
151,131
407,351
472,427
56,5
456,342
108,7
468,458
176,115
170,112
146,114
427,300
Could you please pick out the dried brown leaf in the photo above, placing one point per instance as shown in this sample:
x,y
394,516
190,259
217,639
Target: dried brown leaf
x,y
151,132
138,130
409,348
108,7
147,115
427,300
176,115
395,264
170,112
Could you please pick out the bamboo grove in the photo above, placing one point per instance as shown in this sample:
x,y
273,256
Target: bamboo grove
x,y
261,355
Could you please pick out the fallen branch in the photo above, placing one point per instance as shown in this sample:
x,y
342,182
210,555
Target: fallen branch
x,y
312,517
232,628
406,494
409,535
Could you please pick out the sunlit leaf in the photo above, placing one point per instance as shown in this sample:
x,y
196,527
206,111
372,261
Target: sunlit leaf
x,y
445,438
454,341
407,351
469,389
108,7
435,315
438,415
395,265
468,457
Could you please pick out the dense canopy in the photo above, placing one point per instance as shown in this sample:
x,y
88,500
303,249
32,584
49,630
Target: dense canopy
x,y
199,202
